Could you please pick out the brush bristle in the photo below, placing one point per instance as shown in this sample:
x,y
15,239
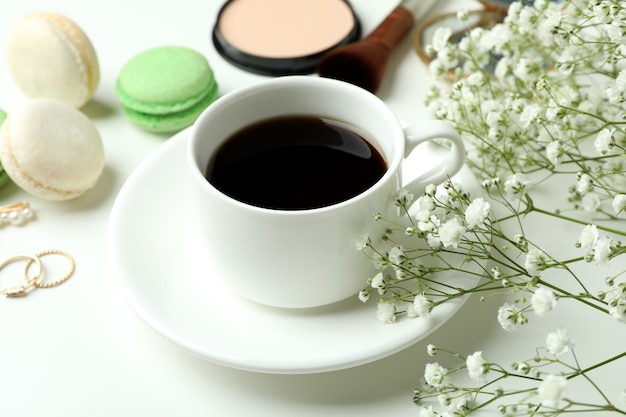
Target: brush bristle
x,y
363,67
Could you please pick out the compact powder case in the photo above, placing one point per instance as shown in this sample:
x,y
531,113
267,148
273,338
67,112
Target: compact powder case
x,y
283,37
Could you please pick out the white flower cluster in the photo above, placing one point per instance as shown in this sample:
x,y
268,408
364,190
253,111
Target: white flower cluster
x,y
539,99
529,103
551,387
442,228
597,248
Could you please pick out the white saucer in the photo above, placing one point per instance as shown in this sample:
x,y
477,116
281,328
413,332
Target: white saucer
x,y
158,259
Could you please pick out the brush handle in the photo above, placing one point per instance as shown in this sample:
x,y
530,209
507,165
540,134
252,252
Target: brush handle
x,y
393,29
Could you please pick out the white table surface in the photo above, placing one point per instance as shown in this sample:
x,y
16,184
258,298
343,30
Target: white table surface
x,y
80,350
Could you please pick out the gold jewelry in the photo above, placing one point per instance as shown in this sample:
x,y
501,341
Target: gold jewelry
x,y
21,290
38,283
16,214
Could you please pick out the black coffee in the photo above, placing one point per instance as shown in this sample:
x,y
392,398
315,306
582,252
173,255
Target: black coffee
x,y
295,163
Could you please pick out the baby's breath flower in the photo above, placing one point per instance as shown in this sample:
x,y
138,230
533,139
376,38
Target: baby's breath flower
x,y
386,312
431,350
433,241
451,233
619,203
422,305
588,238
427,412
535,262
551,390
496,273
403,198
617,309
436,375
515,185
585,184
604,141
425,203
397,255
378,281
602,250
554,152
522,367
558,343
437,69
507,317
362,242
440,38
364,295
477,367
591,202
543,301
477,212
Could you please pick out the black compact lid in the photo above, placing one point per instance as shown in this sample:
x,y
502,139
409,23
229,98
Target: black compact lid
x,y
276,66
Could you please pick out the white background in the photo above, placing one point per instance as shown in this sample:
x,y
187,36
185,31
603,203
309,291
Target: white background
x,y
79,350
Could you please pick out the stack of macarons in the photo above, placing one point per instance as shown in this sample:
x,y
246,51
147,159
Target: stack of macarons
x,y
47,146
164,89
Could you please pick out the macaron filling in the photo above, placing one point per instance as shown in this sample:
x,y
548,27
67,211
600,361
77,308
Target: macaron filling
x,y
168,122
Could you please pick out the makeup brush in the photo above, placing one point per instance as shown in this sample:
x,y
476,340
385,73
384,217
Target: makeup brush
x,y
364,62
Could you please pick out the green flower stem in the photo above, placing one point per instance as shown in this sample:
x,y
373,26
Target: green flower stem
x,y
576,297
574,220
597,365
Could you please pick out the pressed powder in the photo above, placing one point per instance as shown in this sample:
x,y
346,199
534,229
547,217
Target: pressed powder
x,y
280,37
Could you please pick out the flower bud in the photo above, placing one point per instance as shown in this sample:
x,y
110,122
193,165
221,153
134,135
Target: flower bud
x,y
432,350
496,273
523,368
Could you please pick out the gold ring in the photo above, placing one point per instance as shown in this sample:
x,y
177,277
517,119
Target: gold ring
x,y
59,281
21,290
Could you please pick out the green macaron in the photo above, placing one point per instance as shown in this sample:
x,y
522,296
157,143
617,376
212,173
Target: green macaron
x,y
4,178
165,89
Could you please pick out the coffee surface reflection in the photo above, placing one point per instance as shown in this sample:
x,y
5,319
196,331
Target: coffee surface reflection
x,y
295,163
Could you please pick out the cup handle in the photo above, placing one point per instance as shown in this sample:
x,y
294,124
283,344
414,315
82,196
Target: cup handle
x,y
448,166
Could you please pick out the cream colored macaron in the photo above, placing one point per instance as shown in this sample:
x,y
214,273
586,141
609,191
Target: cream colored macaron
x,y
51,150
50,56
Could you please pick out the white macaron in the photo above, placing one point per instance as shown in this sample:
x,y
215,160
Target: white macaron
x,y
51,150
50,56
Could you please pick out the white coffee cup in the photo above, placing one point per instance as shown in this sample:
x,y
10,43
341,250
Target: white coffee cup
x,y
304,258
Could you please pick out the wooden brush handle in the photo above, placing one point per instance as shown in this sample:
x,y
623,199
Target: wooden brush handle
x,y
393,29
